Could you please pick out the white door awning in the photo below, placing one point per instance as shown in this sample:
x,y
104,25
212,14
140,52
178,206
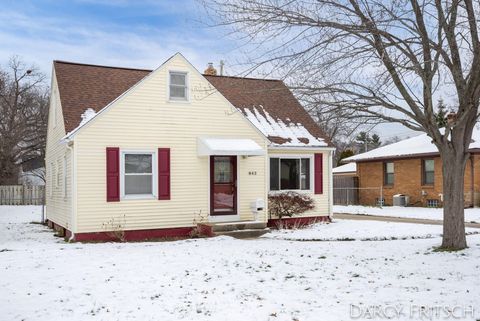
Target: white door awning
x,y
228,146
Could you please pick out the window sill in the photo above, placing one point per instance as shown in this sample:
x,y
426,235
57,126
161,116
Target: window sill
x,y
388,186
291,190
178,101
427,186
139,197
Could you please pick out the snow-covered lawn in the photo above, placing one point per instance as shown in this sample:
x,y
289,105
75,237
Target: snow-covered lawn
x,y
43,278
471,214
361,230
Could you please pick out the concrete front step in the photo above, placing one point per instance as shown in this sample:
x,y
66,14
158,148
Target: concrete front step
x,y
239,229
244,234
234,226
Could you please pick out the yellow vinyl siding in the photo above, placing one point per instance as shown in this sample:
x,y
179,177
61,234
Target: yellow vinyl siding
x,y
144,119
58,205
322,201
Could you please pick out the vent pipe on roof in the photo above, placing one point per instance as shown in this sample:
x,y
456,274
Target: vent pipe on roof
x,y
222,63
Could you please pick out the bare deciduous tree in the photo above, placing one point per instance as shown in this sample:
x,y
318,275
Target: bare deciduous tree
x,y
23,118
380,60
339,124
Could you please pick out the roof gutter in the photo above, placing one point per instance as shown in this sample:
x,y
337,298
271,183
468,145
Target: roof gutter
x,y
66,140
400,157
396,157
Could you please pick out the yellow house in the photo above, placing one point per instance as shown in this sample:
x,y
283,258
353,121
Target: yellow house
x,y
151,154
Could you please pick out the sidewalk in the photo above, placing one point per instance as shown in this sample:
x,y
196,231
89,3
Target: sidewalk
x,y
344,216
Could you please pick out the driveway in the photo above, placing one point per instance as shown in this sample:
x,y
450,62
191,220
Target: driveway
x,y
344,216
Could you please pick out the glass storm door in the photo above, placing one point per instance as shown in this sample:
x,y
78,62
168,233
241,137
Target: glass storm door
x,y
223,185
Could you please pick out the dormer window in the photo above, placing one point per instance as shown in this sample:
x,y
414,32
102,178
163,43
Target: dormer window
x,y
178,86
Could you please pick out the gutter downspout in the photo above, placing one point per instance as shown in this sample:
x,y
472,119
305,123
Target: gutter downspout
x,y
72,190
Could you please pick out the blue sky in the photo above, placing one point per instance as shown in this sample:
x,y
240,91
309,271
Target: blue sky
x,y
116,32
127,33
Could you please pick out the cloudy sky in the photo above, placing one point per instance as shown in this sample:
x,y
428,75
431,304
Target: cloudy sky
x,y
141,33
115,32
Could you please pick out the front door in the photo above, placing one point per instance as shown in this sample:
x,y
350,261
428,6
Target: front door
x,y
223,185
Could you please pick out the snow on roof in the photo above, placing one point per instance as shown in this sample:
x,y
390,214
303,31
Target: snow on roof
x,y
86,116
418,145
293,134
347,168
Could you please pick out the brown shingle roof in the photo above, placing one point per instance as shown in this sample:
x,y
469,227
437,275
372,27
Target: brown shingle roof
x,y
273,96
83,86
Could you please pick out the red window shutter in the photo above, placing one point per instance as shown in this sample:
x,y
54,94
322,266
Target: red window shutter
x,y
164,173
113,174
318,171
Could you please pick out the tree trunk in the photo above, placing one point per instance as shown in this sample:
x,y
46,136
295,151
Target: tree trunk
x,y
454,163
8,173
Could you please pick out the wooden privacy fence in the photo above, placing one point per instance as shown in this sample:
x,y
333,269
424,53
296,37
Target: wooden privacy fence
x,y
22,195
345,190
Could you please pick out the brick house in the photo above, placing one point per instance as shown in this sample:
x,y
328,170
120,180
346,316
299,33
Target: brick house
x,y
412,167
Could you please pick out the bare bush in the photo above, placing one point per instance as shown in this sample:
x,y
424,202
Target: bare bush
x,y
115,228
289,204
199,218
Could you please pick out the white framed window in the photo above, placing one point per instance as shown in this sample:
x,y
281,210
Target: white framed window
x,y
58,174
54,109
64,179
291,173
138,178
388,173
178,86
52,175
428,171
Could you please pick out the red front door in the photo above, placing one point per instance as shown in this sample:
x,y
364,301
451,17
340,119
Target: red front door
x,y
223,185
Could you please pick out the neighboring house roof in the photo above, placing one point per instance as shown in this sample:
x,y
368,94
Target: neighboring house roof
x,y
347,168
268,104
417,146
